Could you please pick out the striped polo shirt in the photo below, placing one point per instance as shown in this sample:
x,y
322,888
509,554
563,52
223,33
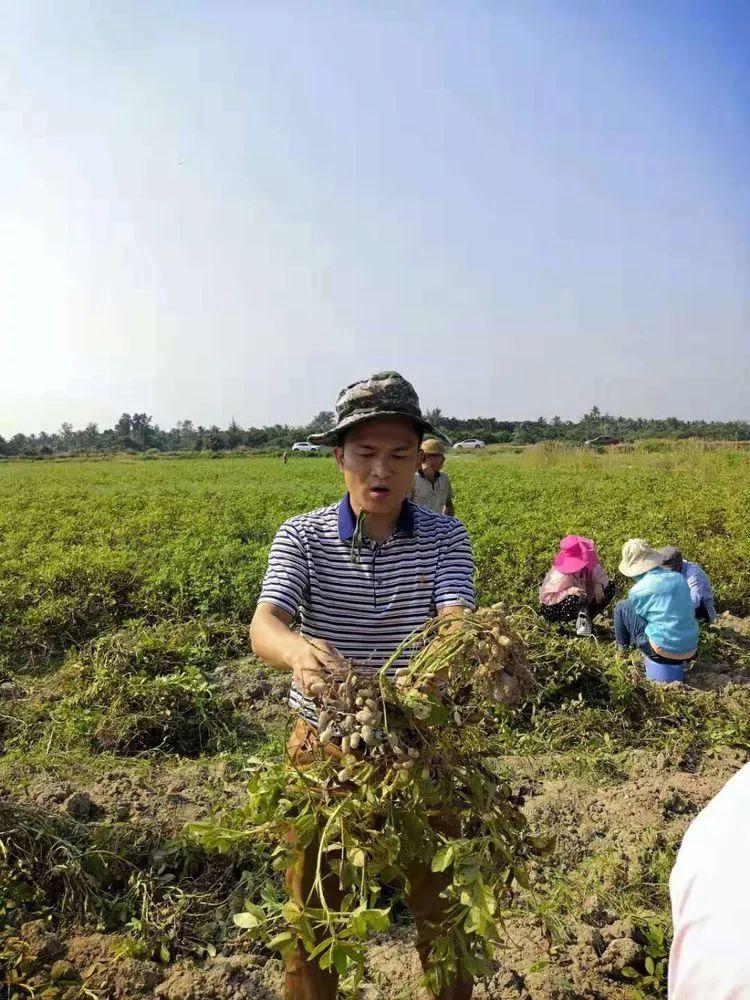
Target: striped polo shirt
x,y
366,606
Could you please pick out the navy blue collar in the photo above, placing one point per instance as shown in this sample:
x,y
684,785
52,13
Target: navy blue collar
x,y
348,522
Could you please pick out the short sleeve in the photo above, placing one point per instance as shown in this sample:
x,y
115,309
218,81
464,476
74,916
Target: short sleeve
x,y
287,574
454,577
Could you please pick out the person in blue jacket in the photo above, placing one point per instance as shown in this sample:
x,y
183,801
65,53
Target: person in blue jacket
x,y
701,591
657,616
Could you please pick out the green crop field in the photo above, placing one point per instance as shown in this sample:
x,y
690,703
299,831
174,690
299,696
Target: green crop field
x,y
129,705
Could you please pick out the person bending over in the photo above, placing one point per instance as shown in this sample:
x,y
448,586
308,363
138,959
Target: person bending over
x,y
657,615
576,587
701,592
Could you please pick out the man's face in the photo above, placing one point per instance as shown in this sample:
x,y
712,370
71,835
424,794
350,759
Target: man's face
x,y
379,459
433,462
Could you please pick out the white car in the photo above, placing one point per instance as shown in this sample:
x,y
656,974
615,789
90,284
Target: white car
x,y
305,446
470,445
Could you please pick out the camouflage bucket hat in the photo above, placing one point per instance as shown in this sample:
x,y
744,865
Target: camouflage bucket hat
x,y
385,394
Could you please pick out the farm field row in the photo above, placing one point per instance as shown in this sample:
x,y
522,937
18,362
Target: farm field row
x,y
85,547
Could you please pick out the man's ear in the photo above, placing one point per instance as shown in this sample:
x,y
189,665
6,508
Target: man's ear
x,y
420,458
338,454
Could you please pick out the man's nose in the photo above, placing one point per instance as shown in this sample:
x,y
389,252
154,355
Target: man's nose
x,y
381,466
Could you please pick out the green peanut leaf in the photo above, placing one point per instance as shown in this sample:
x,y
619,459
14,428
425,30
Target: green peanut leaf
x,y
250,919
283,942
443,859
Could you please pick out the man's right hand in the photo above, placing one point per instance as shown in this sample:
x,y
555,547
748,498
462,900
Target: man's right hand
x,y
316,660
274,641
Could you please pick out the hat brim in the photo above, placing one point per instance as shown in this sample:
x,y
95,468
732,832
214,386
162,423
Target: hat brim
x,y
332,436
638,567
570,564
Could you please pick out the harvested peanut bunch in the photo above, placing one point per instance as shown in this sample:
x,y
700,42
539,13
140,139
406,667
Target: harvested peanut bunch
x,y
480,653
423,746
462,667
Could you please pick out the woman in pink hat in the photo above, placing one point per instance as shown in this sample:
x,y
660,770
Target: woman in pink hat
x,y
576,588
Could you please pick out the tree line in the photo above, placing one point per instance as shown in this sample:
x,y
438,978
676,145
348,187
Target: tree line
x,y
137,432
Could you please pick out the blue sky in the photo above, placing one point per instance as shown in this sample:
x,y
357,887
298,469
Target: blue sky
x,y
233,209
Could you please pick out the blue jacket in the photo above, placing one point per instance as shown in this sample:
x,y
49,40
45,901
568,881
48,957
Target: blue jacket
x,y
662,598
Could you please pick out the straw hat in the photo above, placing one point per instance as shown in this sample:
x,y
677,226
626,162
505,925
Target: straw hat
x,y
639,557
431,446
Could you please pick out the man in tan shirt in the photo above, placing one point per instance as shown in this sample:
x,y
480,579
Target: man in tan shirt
x,y
432,488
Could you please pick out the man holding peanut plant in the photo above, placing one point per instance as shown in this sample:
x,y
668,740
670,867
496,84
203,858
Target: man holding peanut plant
x,y
362,575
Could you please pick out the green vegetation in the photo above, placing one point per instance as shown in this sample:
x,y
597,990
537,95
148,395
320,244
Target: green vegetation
x,y
137,432
85,546
129,706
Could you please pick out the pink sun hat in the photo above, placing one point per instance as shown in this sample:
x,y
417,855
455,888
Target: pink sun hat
x,y
576,553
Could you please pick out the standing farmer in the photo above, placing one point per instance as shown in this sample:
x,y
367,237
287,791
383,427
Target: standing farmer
x,y
362,575
432,487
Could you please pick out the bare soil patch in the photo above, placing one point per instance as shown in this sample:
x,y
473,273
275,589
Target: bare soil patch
x,y
608,834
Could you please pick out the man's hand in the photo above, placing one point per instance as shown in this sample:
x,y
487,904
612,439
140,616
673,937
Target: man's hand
x,y
274,641
316,660
598,593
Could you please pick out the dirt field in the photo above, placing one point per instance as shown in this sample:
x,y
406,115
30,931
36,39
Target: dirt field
x,y
610,825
